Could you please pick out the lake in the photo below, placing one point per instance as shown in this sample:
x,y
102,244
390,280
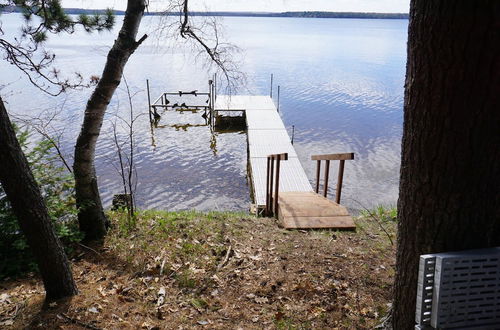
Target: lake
x,y
342,84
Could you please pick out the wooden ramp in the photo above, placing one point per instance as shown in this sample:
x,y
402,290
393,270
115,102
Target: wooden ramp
x,y
267,135
310,210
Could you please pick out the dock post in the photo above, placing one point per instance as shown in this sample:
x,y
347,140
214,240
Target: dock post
x,y
339,181
318,171
327,172
278,98
277,187
149,101
268,189
271,85
293,133
271,179
215,86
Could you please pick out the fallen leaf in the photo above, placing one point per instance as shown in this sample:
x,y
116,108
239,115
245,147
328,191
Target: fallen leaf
x,y
161,297
261,300
4,297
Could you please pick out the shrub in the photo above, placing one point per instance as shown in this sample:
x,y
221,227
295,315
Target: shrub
x,y
57,188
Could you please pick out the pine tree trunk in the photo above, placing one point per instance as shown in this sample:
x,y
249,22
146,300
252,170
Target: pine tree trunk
x,y
91,216
28,206
450,167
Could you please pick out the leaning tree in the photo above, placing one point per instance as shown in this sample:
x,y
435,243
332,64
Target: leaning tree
x,y
450,168
91,217
27,53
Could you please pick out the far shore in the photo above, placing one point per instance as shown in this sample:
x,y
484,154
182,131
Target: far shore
x,y
301,14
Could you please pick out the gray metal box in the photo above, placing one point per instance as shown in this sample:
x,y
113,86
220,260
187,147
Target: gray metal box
x,y
459,290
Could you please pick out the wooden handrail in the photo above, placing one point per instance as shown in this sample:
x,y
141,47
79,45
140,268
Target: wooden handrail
x,y
270,183
344,156
327,158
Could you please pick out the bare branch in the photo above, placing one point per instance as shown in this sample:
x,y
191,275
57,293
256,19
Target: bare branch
x,y
203,35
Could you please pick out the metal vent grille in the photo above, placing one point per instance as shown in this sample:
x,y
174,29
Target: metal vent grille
x,y
463,291
426,273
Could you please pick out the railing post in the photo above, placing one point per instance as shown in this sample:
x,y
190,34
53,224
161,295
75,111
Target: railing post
x,y
277,187
272,201
339,181
271,179
327,173
318,170
268,189
342,157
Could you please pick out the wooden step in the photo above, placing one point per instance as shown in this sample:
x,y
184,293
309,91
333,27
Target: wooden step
x,y
308,210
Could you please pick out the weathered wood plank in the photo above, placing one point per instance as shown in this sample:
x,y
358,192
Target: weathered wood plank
x,y
344,156
311,222
310,210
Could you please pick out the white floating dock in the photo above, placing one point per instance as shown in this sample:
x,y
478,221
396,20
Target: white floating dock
x,y
266,135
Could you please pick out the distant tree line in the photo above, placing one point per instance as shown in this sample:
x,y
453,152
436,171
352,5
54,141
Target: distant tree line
x,y
308,14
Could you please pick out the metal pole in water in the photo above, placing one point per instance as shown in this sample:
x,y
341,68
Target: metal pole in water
x,y
278,98
293,132
271,85
149,101
215,86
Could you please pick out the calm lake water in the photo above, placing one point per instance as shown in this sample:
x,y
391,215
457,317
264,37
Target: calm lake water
x,y
341,87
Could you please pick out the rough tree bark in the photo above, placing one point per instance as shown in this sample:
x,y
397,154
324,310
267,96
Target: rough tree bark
x,y
91,216
28,206
450,168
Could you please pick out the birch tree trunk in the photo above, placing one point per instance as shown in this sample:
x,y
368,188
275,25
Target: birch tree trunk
x,y
91,216
450,169
29,207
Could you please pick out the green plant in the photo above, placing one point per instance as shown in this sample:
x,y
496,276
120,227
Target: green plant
x,y
57,187
381,212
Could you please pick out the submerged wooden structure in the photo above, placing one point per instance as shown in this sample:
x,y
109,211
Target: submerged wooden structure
x,y
279,184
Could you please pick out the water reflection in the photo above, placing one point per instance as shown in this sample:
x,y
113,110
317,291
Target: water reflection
x,y
341,87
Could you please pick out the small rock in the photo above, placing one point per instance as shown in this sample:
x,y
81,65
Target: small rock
x,y
93,310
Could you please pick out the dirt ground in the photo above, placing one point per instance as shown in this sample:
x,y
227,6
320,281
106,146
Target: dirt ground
x,y
189,270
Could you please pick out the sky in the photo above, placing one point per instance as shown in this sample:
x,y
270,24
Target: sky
x,y
379,6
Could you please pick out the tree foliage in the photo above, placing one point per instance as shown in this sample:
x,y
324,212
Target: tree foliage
x,y
26,50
